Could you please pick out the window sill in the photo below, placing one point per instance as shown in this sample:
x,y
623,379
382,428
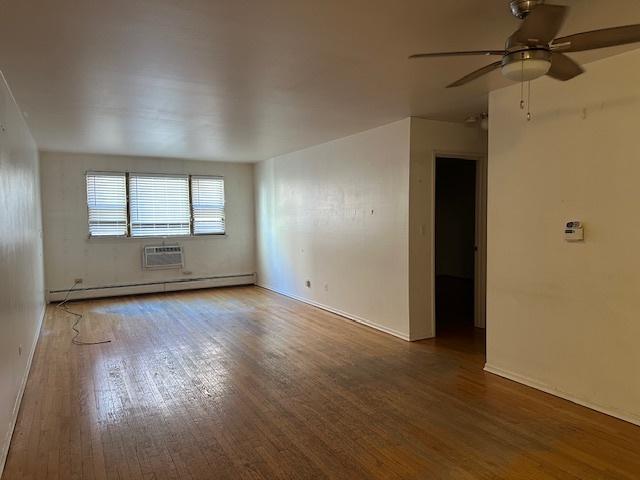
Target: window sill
x,y
168,238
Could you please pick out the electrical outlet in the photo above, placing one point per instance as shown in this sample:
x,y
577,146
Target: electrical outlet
x,y
308,283
19,350
77,280
326,287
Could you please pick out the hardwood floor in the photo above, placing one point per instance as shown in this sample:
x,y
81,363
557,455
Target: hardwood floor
x,y
242,383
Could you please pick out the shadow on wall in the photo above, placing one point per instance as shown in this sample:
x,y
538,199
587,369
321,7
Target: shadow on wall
x,y
556,113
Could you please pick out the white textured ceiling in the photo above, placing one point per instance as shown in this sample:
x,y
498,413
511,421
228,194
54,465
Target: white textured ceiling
x,y
244,80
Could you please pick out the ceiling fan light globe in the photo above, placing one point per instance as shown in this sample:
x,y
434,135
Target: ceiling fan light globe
x,y
526,70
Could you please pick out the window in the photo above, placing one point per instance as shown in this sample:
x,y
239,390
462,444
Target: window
x,y
207,205
107,204
154,205
159,205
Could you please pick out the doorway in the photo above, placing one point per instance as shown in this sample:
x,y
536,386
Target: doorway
x,y
458,206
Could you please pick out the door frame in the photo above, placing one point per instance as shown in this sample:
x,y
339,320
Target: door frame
x,y
480,258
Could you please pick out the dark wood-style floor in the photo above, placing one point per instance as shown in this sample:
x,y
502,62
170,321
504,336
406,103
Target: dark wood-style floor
x,y
243,383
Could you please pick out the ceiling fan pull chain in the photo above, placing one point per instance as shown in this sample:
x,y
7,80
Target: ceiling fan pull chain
x,y
522,85
529,103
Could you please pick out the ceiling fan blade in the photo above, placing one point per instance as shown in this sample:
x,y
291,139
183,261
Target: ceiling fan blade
x,y
477,74
607,37
459,54
564,68
540,26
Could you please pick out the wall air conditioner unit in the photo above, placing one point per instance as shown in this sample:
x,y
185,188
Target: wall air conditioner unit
x,y
162,257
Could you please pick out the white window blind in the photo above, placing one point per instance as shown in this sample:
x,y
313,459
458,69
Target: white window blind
x,y
159,205
207,200
107,204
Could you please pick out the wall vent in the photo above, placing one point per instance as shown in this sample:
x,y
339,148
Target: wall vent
x,y
162,257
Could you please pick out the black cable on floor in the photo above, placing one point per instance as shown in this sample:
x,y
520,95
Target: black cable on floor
x,y
63,306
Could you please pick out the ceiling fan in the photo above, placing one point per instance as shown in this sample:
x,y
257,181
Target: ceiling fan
x,y
533,51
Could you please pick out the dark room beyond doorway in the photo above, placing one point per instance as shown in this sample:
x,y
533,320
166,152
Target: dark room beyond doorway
x,y
455,226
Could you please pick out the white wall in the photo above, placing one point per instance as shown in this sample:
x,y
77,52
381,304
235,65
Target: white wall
x,y
337,214
566,317
70,254
22,292
428,139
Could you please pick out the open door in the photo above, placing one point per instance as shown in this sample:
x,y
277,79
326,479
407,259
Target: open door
x,y
459,242
480,258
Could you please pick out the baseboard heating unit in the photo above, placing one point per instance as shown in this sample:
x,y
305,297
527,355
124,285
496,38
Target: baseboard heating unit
x,y
154,287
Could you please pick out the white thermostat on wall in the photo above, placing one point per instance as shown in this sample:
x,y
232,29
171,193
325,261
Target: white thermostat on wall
x,y
574,231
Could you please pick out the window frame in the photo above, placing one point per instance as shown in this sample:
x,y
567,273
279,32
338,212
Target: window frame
x,y
224,203
88,208
128,203
181,176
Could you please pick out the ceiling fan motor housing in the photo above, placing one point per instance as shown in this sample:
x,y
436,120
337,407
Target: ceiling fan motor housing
x,y
522,8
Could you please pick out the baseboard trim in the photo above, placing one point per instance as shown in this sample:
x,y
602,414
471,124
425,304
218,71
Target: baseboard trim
x,y
627,417
154,287
346,315
425,336
23,385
